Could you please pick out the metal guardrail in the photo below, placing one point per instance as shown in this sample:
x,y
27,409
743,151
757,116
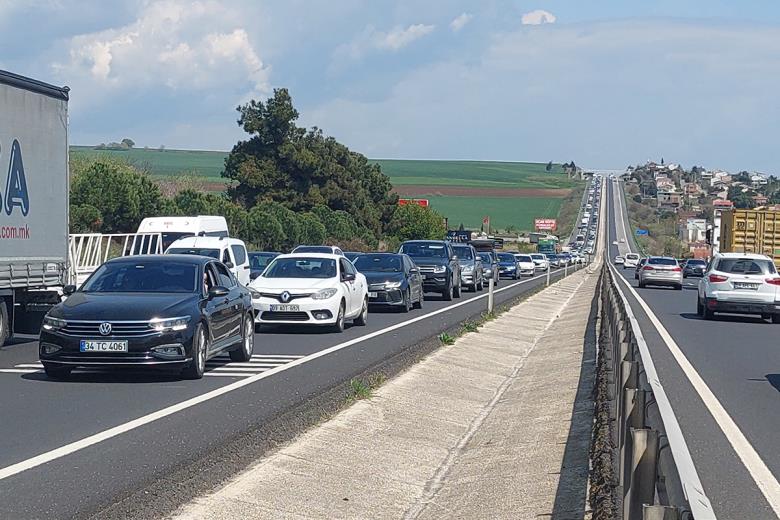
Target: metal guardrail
x,y
656,478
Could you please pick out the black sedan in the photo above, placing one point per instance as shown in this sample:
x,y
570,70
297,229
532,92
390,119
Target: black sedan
x,y
393,279
173,311
694,267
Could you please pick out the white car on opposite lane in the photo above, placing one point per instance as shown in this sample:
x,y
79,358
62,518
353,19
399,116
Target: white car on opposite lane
x,y
310,289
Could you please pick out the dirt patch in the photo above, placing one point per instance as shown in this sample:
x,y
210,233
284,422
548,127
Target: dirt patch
x,y
465,191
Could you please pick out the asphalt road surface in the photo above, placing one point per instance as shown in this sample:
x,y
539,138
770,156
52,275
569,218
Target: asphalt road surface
x,y
72,448
735,445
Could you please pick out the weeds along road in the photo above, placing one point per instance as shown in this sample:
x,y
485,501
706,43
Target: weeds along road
x,y
731,417
72,448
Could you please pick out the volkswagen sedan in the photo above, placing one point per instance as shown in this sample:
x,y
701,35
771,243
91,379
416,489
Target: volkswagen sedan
x,y
173,311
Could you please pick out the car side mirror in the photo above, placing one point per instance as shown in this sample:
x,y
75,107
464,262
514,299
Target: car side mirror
x,y
347,277
454,257
218,291
229,265
252,276
68,290
414,270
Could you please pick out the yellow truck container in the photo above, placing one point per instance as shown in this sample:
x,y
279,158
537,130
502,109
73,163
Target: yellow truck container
x,y
751,231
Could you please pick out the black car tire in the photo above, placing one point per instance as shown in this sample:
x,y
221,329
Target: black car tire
x,y
481,285
457,290
339,325
707,314
200,343
641,284
407,306
699,307
678,287
419,303
446,294
56,372
244,352
685,275
362,318
776,319
473,287
4,325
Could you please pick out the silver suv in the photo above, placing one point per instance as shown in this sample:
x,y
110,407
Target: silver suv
x,y
661,270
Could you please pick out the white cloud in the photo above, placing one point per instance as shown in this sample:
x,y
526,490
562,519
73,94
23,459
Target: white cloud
x,y
460,21
175,43
538,17
372,39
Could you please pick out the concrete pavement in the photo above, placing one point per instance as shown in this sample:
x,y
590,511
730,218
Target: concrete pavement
x,y
495,426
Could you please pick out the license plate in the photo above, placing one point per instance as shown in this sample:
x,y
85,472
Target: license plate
x,y
97,345
749,286
285,308
372,295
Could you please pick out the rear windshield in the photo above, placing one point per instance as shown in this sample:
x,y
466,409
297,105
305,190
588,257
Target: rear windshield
x,y
745,266
425,249
524,258
696,262
464,253
201,251
662,261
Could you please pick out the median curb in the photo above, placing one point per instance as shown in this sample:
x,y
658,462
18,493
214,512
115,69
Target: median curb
x,y
496,425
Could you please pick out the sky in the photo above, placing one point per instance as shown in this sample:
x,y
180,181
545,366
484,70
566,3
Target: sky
x,y
603,83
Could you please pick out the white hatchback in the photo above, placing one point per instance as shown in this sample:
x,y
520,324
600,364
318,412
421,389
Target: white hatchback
x,y
310,289
631,260
541,261
525,265
740,283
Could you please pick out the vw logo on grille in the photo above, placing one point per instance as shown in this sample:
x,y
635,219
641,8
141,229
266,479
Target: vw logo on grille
x,y
285,297
105,329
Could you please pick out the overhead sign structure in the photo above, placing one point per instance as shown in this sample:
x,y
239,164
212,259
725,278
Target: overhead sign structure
x,y
545,224
419,202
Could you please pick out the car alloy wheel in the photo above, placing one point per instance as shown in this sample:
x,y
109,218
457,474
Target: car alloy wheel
x,y
407,306
362,318
199,348
339,325
447,294
244,353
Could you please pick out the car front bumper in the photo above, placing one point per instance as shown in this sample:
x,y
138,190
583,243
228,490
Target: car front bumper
x,y
386,297
139,350
307,312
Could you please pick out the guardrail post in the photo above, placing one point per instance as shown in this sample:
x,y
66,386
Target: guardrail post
x,y
641,473
548,273
660,513
491,285
566,268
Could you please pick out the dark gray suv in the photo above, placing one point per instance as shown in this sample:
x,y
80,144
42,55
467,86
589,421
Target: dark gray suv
x,y
438,265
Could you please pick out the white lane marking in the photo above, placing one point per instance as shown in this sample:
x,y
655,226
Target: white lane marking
x,y
750,458
18,370
225,374
96,438
29,365
256,365
240,369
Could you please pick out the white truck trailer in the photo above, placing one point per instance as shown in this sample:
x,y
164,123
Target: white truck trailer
x,y
33,201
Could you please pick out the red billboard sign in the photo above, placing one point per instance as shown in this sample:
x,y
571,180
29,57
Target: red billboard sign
x,y
545,224
419,202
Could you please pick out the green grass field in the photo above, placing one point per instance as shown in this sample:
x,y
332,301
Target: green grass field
x,y
485,174
168,163
503,211
518,212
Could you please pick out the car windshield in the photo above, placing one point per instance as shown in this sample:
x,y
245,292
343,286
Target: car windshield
x,y
378,263
485,257
746,266
464,253
301,268
424,249
662,261
506,257
202,251
260,260
140,276
524,258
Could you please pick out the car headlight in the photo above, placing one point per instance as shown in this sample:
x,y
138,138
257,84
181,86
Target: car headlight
x,y
254,294
324,294
170,324
468,269
50,323
393,285
440,269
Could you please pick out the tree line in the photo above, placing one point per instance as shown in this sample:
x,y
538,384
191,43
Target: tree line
x,y
288,186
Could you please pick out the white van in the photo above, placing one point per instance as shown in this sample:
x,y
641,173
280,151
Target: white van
x,y
230,251
174,228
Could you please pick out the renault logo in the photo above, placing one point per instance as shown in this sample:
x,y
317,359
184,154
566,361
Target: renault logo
x,y
285,297
105,329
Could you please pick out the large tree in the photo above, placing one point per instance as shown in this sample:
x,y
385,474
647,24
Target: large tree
x,y
302,169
